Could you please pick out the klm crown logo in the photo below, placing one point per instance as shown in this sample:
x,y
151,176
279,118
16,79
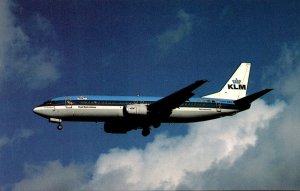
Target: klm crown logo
x,y
237,85
236,81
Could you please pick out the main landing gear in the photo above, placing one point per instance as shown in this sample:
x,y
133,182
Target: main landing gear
x,y
146,131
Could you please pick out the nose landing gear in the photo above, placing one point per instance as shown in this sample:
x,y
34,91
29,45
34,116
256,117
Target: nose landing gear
x,y
59,127
58,121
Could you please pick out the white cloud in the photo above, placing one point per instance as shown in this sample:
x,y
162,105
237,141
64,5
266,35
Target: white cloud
x,y
52,176
40,69
287,70
20,135
171,37
23,59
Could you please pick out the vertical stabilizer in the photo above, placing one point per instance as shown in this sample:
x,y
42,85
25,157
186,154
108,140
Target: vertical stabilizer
x,y
236,87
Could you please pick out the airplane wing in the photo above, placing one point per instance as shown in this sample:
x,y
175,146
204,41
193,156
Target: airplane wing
x,y
157,111
174,100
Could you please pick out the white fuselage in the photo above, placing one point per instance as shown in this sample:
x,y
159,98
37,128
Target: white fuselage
x,y
100,113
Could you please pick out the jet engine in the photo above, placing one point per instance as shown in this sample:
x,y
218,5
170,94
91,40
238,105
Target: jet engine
x,y
136,109
115,127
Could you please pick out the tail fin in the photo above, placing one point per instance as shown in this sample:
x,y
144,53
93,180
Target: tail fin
x,y
236,87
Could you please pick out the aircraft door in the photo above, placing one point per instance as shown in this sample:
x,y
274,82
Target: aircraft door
x,y
218,107
68,103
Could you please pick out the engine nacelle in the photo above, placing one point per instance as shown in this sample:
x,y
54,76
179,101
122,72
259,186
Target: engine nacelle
x,y
136,109
117,128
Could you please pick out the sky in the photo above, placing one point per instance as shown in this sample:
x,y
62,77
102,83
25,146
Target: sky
x,y
58,48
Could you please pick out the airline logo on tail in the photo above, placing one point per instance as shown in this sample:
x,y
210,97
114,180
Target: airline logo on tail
x,y
236,85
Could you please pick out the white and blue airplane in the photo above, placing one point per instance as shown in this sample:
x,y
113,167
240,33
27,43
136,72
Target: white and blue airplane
x,y
121,114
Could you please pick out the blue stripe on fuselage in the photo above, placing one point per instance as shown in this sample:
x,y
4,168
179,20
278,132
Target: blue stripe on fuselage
x,y
111,98
136,98
124,100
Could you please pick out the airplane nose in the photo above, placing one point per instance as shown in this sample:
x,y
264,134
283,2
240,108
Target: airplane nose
x,y
35,110
41,111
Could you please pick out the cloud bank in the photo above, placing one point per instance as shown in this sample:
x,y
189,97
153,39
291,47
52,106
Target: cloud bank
x,y
52,176
25,59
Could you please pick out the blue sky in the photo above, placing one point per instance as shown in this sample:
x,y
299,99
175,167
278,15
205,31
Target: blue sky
x,y
57,48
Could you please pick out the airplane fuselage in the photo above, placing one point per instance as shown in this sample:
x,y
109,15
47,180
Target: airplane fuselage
x,y
106,108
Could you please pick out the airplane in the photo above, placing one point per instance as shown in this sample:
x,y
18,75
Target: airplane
x,y
121,114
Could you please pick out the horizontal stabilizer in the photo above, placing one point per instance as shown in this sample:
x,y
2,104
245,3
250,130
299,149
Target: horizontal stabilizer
x,y
249,99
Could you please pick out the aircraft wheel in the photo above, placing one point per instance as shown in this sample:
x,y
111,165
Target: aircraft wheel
x,y
60,127
146,132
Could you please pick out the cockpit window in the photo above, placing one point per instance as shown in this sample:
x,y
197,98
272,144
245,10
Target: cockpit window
x,y
48,103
